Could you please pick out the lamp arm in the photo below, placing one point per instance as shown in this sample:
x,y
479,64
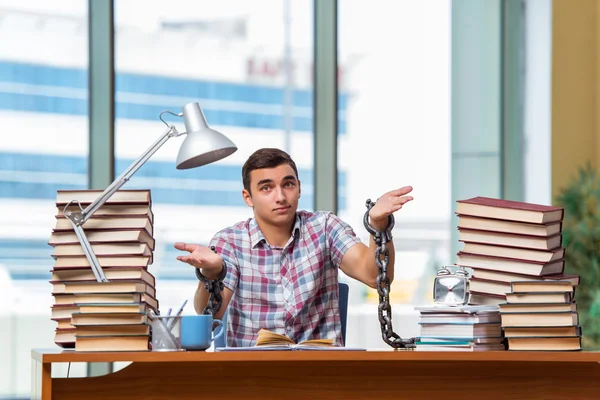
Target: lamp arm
x,y
126,175
79,218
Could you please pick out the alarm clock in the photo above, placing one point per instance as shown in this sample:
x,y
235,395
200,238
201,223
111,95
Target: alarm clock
x,y
451,288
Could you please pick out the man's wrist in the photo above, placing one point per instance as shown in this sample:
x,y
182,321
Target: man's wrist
x,y
211,275
379,225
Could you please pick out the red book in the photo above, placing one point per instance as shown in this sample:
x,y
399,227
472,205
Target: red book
x,y
509,210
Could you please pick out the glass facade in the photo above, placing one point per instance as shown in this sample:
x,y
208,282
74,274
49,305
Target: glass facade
x,y
250,66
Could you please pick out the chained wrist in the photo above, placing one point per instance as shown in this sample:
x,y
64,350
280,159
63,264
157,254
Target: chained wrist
x,y
219,277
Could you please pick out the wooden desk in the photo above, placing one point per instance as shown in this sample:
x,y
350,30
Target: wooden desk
x,y
313,374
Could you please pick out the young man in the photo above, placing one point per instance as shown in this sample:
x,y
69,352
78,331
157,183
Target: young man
x,y
282,265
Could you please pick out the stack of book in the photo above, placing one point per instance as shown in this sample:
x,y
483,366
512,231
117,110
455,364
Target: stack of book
x,y
459,328
104,316
507,241
541,316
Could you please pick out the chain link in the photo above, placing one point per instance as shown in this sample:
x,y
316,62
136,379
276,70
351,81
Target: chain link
x,y
383,282
214,289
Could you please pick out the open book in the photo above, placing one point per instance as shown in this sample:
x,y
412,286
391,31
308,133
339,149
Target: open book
x,y
268,340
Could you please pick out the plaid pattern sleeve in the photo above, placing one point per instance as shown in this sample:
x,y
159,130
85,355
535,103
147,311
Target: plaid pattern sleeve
x,y
340,238
225,250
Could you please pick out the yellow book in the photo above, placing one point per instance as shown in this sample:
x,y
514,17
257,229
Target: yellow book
x,y
269,341
268,338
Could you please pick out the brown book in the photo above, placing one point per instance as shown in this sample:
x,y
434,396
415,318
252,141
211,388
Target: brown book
x,y
538,297
65,338
485,299
112,274
545,331
107,237
105,262
129,223
63,323
113,343
512,266
489,287
510,240
518,228
544,343
135,196
104,249
518,308
103,287
542,286
514,252
105,298
60,311
509,210
540,319
79,319
112,330
499,276
120,211
63,311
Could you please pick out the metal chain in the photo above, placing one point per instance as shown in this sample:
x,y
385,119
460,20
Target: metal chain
x,y
214,289
383,282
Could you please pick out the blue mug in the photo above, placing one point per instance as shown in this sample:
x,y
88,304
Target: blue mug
x,y
197,331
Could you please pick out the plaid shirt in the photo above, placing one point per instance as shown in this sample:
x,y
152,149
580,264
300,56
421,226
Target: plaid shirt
x,y
292,290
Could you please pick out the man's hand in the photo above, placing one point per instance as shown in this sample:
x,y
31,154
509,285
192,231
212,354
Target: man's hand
x,y
201,257
388,204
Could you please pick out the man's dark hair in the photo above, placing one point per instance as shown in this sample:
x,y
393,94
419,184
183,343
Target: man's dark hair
x,y
265,158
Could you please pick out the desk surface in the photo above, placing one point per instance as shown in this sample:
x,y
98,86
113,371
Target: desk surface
x,y
57,355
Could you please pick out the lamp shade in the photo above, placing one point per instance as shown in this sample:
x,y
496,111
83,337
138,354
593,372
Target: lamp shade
x,y
202,145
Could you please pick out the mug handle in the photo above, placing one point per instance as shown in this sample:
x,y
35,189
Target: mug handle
x,y
220,328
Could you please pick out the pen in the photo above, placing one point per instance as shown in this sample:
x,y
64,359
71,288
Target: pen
x,y
171,322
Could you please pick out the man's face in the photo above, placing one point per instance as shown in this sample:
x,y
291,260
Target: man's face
x,y
274,194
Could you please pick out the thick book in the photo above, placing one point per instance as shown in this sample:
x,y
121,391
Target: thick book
x,y
518,228
508,210
126,196
112,274
104,249
105,262
510,240
542,286
485,299
512,266
105,298
128,223
508,277
103,237
66,310
507,308
113,211
103,287
544,331
113,343
458,330
540,297
65,338
78,318
488,286
513,252
540,319
113,330
544,343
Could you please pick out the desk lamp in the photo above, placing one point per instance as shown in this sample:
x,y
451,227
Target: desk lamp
x,y
202,146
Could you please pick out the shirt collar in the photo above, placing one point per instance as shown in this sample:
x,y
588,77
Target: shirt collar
x,y
256,235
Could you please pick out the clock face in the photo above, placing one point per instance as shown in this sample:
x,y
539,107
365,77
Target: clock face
x,y
450,290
